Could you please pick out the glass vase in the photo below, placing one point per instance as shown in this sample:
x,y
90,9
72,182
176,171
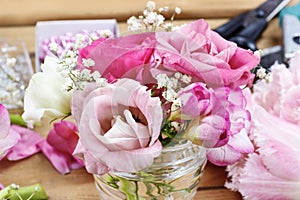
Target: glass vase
x,y
175,174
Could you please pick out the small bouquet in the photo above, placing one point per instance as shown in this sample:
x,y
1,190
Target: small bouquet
x,y
135,95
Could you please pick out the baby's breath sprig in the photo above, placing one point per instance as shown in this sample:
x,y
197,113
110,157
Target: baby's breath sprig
x,y
67,65
152,19
171,86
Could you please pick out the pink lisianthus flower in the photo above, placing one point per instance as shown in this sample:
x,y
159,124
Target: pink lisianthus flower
x,y
194,50
196,100
119,125
236,143
59,146
222,125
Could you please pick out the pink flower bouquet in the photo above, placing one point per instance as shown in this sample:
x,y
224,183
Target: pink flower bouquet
x,y
135,95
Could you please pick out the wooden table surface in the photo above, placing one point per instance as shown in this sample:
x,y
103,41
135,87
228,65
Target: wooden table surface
x,y
17,21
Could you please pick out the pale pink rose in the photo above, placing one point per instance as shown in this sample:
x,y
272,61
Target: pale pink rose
x,y
196,100
118,125
273,171
59,146
8,138
200,52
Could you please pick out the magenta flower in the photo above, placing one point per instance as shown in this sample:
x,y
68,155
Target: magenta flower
x,y
59,146
119,125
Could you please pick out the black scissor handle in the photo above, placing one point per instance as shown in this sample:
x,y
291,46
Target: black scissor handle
x,y
247,37
233,26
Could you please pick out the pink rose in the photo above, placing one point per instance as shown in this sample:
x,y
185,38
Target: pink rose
x,y
194,49
121,57
118,125
198,51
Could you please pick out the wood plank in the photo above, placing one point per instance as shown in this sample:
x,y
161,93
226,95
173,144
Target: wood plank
x,y
16,12
217,194
79,184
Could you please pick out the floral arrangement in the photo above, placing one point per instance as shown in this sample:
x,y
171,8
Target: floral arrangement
x,y
132,96
139,89
271,172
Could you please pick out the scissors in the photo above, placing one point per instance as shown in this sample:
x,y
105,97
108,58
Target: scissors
x,y
246,28
289,20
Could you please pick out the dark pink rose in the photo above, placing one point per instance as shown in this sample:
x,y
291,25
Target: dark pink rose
x,y
121,57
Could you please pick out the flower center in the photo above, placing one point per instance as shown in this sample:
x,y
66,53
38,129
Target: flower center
x,y
138,116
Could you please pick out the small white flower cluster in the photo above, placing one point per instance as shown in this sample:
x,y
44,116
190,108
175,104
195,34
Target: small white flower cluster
x,y
152,19
14,76
262,73
58,45
172,86
76,79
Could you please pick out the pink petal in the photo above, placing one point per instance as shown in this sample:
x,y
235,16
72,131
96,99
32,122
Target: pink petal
x,y
223,155
63,136
26,146
63,162
256,182
4,122
278,142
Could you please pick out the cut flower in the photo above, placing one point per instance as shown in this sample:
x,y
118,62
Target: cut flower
x,y
272,171
118,123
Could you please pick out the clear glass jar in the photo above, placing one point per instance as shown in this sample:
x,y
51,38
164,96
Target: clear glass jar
x,y
175,174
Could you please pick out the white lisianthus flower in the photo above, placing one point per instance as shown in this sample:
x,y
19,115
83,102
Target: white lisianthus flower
x,y
44,96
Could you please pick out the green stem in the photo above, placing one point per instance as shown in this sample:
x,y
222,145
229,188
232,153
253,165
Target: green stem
x,y
128,189
17,119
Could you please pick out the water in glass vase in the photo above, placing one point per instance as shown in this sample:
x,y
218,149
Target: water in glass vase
x,y
174,175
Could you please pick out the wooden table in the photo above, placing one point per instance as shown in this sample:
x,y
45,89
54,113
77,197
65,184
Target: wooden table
x,y
17,20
